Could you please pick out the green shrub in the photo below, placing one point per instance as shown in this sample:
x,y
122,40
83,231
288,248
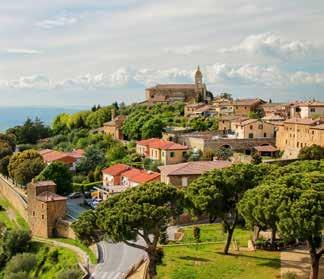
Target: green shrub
x,y
289,275
20,263
73,273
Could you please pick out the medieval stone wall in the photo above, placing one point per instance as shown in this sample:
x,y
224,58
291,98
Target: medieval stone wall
x,y
210,145
14,197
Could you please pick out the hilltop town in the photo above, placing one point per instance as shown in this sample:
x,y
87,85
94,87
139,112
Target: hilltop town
x,y
163,170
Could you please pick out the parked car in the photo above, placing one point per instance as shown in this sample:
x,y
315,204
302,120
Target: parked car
x,y
75,195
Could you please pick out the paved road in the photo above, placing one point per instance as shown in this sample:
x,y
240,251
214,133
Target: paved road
x,y
115,258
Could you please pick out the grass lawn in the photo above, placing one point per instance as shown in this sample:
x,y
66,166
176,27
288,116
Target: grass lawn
x,y
208,261
4,218
92,256
51,260
18,222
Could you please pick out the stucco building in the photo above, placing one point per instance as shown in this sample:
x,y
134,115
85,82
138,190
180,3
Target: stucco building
x,y
45,208
252,128
114,127
167,152
307,109
296,133
68,158
168,93
120,177
242,107
181,175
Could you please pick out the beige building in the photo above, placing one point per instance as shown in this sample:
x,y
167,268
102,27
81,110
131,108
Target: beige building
x,y
296,133
181,175
273,110
225,122
242,107
114,127
223,106
45,208
168,93
252,128
167,152
307,109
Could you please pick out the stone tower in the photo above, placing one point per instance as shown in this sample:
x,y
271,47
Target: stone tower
x,y
45,208
200,87
198,78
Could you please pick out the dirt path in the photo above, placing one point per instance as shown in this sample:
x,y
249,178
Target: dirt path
x,y
298,261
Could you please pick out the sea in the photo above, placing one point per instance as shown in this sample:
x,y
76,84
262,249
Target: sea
x,y
13,116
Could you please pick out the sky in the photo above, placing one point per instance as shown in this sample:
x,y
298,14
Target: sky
x,y
71,53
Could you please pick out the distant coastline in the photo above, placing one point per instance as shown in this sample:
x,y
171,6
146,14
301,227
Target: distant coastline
x,y
12,116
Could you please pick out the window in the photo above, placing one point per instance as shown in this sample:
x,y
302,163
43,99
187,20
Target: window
x,y
251,127
260,126
184,181
43,216
312,110
251,136
171,154
297,144
33,213
264,135
286,141
184,153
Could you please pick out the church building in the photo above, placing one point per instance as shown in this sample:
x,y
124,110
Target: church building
x,y
168,93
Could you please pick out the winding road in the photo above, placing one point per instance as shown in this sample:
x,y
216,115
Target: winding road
x,y
114,258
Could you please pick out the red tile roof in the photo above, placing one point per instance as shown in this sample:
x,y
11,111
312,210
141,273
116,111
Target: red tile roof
x,y
117,121
265,148
50,155
47,196
116,169
45,183
193,168
140,176
304,121
162,144
248,102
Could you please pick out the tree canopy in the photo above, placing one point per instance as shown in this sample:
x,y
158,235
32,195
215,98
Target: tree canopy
x,y
313,152
26,165
30,132
218,192
138,212
60,174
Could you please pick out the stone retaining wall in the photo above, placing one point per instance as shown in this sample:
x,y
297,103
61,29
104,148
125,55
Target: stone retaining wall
x,y
14,197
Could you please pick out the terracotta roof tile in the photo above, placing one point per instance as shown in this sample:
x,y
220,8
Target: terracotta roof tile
x,y
162,144
265,148
116,169
140,176
304,121
45,183
247,102
47,196
193,168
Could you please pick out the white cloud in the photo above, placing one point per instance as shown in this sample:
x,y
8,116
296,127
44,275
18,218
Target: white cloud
x,y
269,44
23,51
58,21
215,74
31,82
184,50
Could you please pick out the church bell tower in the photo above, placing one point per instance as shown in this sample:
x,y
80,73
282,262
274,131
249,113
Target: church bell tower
x,y
200,87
